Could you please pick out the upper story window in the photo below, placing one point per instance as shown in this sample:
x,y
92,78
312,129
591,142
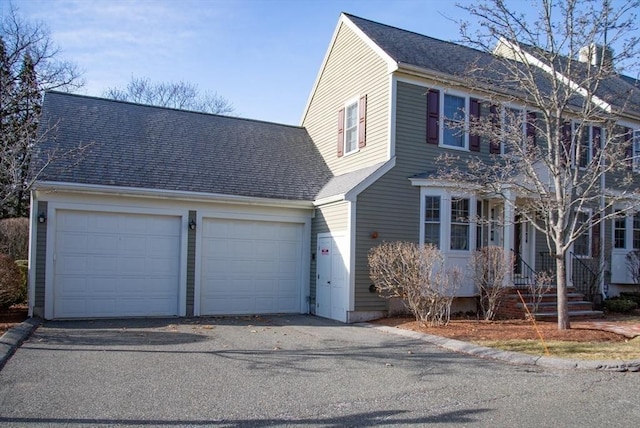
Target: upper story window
x,y
453,134
352,121
351,128
636,150
448,125
587,143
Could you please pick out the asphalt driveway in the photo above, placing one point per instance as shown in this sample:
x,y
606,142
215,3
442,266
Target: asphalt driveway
x,y
287,371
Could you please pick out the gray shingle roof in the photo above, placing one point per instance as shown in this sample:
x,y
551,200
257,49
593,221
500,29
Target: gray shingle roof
x,y
342,184
149,147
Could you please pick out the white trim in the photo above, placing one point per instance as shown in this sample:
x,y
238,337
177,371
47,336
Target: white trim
x,y
393,99
349,103
33,240
527,58
351,274
352,194
52,186
441,119
391,64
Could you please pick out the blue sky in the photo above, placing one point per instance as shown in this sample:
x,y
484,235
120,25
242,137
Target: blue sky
x,y
262,55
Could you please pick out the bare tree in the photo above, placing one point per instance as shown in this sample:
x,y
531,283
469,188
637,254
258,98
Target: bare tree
x,y
180,95
553,64
29,65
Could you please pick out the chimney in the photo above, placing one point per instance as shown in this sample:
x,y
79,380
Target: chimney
x,y
596,54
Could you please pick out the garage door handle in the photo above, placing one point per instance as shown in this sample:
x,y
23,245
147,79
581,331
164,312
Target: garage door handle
x,y
328,282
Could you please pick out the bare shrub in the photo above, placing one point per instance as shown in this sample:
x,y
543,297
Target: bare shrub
x,y
14,237
415,274
491,267
540,285
11,282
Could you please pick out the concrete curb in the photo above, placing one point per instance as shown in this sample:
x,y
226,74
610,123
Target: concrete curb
x,y
13,338
516,358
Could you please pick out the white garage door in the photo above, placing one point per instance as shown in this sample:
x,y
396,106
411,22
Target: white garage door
x,y
250,267
114,265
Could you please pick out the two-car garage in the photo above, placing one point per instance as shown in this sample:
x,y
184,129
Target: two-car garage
x,y
123,264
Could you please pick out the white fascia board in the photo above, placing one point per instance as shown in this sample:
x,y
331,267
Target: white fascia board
x,y
329,200
52,186
352,194
527,58
445,184
391,64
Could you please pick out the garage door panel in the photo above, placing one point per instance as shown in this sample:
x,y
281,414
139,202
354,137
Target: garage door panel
x,y
244,264
114,266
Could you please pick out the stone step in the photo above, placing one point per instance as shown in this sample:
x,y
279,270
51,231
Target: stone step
x,y
544,307
547,297
573,315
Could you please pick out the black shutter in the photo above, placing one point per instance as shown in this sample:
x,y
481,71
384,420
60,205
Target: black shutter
x,y
531,129
433,113
474,118
494,144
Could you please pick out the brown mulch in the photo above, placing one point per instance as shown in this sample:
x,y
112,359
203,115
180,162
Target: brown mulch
x,y
474,330
12,316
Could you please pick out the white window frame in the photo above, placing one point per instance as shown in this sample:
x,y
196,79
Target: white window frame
x,y
503,121
446,196
587,212
628,231
442,120
352,103
635,142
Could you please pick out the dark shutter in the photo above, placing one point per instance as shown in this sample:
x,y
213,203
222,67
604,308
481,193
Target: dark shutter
x,y
494,144
628,147
340,132
531,128
433,112
474,117
596,143
362,122
595,235
565,147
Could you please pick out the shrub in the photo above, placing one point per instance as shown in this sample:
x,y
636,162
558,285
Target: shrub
x,y
14,237
415,274
633,296
620,305
11,282
23,265
490,267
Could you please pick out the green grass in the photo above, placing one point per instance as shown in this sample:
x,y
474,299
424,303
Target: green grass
x,y
628,350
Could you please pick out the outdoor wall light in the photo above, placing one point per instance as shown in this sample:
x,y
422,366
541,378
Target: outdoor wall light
x,y
192,224
42,217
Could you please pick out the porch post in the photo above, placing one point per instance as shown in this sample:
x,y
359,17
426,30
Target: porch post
x,y
508,228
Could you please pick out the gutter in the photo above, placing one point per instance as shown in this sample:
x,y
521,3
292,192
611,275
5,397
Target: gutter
x,y
53,186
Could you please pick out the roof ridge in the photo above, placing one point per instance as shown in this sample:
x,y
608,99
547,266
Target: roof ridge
x,y
135,104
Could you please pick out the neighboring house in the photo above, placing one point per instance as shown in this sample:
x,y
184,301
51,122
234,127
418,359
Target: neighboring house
x,y
180,213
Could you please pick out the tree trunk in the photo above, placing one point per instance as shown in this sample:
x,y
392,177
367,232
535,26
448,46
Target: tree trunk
x,y
561,279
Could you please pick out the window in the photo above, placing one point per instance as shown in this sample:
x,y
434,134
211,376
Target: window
x,y
453,130
584,145
582,245
432,220
460,224
636,231
619,230
352,126
636,150
478,224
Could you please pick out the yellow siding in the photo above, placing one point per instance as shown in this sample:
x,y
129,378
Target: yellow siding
x,y
351,70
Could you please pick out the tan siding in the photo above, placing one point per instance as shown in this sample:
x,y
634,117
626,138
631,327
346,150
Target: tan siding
x,y
329,218
352,70
40,262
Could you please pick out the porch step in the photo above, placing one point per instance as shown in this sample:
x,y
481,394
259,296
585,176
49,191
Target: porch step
x,y
573,315
551,306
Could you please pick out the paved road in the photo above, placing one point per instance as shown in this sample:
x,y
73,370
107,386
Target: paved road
x,y
294,371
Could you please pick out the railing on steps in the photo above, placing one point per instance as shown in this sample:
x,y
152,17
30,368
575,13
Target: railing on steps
x,y
583,277
524,274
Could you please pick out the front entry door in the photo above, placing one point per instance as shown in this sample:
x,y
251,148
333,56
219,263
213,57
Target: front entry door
x,y
331,280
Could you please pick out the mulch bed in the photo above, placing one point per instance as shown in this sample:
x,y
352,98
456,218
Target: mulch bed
x,y
12,316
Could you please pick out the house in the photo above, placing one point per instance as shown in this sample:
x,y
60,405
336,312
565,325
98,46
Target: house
x,y
172,213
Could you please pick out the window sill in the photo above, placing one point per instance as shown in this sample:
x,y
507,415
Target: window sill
x,y
462,149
